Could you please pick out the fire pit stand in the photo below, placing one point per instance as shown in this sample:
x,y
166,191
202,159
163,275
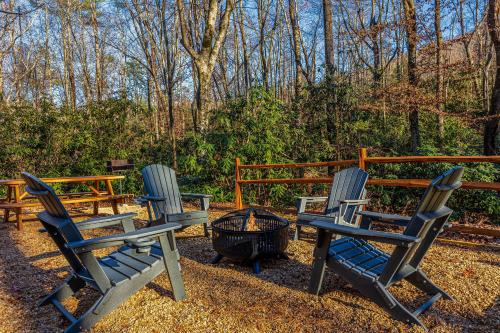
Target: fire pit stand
x,y
249,235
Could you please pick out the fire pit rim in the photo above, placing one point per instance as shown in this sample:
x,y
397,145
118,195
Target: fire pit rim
x,y
285,223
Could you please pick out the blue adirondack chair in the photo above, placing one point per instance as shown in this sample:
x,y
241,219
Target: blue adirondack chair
x,y
142,255
371,270
346,196
164,200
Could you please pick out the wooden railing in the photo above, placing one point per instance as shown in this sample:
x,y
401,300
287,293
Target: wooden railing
x,y
362,161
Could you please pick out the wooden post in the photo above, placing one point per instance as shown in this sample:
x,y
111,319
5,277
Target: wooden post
x,y
109,189
19,211
9,199
96,203
362,157
237,186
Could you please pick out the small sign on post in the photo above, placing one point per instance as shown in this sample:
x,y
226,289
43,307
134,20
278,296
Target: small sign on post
x,y
120,166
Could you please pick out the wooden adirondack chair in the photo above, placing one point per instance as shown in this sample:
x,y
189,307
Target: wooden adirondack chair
x,y
346,196
165,199
116,276
373,271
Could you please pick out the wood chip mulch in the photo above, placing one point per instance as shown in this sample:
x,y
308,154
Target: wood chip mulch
x,y
227,297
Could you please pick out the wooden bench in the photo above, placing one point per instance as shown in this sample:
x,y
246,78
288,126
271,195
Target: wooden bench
x,y
16,201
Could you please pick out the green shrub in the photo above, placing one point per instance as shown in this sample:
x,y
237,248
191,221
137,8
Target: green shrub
x,y
54,141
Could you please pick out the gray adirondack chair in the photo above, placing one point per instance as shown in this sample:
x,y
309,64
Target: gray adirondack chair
x,y
165,199
372,271
346,196
116,276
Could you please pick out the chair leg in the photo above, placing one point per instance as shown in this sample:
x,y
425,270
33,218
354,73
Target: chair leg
x,y
6,214
19,218
422,282
319,262
172,265
379,294
205,229
67,289
298,228
317,276
114,204
99,309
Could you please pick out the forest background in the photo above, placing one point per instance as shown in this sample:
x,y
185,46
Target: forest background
x,y
194,84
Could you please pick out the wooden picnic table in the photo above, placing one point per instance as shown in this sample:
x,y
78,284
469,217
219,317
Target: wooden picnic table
x,y
17,199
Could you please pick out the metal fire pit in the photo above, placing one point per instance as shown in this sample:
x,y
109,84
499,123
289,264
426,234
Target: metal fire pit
x,y
232,239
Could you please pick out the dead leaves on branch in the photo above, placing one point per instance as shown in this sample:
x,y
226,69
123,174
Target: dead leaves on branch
x,y
402,98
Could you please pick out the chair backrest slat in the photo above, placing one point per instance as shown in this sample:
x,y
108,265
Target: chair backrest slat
x,y
55,218
348,184
62,229
433,202
160,181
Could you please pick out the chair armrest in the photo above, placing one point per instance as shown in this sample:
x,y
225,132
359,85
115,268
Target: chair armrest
x,y
378,236
105,221
302,202
309,217
312,199
345,204
355,202
87,245
196,196
369,217
204,199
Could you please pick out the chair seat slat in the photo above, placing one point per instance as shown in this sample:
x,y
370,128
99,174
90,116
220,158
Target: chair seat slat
x,y
148,260
359,256
130,262
119,267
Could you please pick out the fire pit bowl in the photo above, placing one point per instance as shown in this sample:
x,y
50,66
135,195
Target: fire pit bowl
x,y
249,235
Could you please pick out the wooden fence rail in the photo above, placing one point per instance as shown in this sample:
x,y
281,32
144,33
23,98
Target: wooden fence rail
x,y
362,161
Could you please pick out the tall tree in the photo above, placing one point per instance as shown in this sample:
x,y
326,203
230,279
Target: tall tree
x,y
439,69
65,12
99,81
491,127
328,33
331,123
411,36
204,58
294,22
246,56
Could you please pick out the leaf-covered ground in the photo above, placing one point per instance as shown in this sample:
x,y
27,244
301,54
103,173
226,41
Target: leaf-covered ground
x,y
228,298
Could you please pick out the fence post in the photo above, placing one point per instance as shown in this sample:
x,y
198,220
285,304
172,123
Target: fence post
x,y
362,157
237,186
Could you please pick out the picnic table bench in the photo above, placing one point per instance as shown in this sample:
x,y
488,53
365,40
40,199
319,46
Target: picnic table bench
x,y
16,199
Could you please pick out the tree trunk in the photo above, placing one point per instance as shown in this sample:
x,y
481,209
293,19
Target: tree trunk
x,y
69,71
439,74
263,58
329,51
466,40
299,78
411,35
203,95
205,58
246,57
491,127
97,51
331,118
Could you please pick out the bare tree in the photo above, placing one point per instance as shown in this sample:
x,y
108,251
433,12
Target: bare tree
x,y
204,58
328,33
439,69
99,82
491,127
411,35
296,38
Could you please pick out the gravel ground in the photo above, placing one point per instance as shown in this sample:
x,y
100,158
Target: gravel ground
x,y
228,298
